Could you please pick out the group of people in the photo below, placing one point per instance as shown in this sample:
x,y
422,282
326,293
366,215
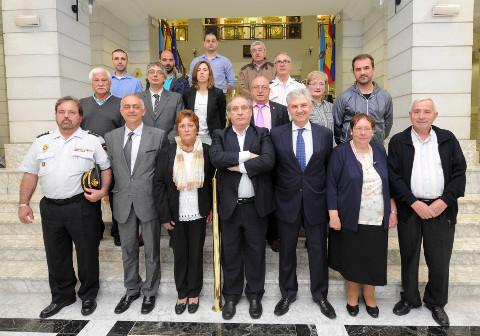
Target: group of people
x,y
277,173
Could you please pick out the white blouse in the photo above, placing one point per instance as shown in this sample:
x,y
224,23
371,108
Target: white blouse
x,y
371,203
188,199
200,109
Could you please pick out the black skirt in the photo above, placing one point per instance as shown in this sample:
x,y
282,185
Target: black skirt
x,y
360,256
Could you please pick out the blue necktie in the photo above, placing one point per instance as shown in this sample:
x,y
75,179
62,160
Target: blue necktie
x,y
301,149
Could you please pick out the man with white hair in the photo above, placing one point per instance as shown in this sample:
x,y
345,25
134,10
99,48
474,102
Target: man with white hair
x,y
283,83
101,114
258,67
427,172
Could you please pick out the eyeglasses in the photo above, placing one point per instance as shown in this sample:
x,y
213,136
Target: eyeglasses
x,y
258,87
316,84
153,72
283,62
363,129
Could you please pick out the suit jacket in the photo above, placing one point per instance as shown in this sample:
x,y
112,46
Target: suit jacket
x,y
224,153
400,163
278,112
296,190
216,107
165,190
170,104
135,189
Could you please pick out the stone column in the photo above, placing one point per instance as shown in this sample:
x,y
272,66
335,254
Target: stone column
x,y
431,57
42,64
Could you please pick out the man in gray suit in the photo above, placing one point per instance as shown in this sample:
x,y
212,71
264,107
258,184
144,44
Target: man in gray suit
x,y
133,151
161,106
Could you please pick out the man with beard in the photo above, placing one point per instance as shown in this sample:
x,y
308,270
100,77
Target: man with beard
x,y
364,96
122,82
175,82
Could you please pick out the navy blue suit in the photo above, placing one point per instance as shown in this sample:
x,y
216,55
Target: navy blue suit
x,y
301,201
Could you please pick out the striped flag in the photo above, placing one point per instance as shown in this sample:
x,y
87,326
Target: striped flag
x,y
327,50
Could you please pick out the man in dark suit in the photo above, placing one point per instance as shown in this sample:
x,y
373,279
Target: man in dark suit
x,y
267,113
244,157
302,150
426,168
133,151
161,106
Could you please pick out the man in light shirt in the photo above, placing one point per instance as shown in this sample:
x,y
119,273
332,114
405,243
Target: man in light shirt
x,y
427,176
283,83
244,158
123,83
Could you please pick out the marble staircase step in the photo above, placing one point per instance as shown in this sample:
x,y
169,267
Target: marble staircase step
x,y
28,248
32,277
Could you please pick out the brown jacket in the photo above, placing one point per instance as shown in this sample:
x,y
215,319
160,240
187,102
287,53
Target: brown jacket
x,y
249,72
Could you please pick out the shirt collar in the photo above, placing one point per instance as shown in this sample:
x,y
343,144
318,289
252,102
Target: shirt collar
x,y
126,75
307,126
255,104
101,102
77,134
431,136
153,93
138,131
238,133
206,57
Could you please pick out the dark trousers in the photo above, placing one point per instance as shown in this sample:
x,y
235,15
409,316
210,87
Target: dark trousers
x,y
187,242
272,231
317,257
243,252
62,224
438,234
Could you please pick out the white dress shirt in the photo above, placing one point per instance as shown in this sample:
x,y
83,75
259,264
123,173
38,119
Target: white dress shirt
x,y
307,139
279,91
427,179
135,143
245,188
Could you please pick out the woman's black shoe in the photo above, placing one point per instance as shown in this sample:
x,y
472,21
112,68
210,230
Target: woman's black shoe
x,y
353,310
372,311
180,307
193,307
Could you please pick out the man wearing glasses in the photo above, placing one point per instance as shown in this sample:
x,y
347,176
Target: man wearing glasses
x,y
161,106
283,83
363,96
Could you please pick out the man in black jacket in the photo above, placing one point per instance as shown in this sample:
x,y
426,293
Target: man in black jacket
x,y
427,176
244,157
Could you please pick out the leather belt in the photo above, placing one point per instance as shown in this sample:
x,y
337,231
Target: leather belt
x,y
245,200
65,201
427,201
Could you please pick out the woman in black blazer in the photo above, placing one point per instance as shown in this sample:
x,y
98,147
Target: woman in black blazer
x,y
183,189
207,101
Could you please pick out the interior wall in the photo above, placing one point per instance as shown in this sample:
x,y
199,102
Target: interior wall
x,y
4,129
475,122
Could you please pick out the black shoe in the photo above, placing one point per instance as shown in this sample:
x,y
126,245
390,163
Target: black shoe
x,y
116,240
180,307
353,310
439,315
88,306
282,306
54,308
228,310
255,309
372,311
125,303
402,307
148,304
193,307
326,308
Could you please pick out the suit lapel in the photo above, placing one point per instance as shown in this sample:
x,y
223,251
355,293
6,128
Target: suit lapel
x,y
288,135
273,115
163,102
232,140
141,148
148,102
247,144
315,145
120,137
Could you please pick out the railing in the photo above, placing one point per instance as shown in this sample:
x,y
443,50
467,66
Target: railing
x,y
256,31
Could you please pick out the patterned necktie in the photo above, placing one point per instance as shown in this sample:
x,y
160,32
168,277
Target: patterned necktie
x,y
301,150
259,121
128,150
156,107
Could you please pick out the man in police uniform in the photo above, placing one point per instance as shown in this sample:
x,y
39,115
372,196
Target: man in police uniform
x,y
58,159
282,84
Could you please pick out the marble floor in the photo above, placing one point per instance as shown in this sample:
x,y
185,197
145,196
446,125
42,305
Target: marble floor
x,y
19,317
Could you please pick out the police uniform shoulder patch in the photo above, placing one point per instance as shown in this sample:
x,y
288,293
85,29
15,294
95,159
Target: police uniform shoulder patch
x,y
40,135
92,133
245,66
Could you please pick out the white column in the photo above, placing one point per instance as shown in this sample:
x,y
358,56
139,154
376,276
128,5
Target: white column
x,y
349,44
431,56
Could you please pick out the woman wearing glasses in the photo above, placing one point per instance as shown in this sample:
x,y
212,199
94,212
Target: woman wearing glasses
x,y
322,109
361,212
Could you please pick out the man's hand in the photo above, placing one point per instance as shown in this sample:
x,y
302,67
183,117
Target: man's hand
x,y
437,207
25,214
210,218
253,155
392,220
169,225
422,210
93,195
234,168
334,222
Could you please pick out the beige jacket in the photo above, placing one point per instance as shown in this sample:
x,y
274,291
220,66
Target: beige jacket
x,y
249,72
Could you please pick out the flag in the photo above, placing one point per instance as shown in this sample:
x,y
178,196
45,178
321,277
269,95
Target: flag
x,y
176,56
327,50
167,38
160,37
